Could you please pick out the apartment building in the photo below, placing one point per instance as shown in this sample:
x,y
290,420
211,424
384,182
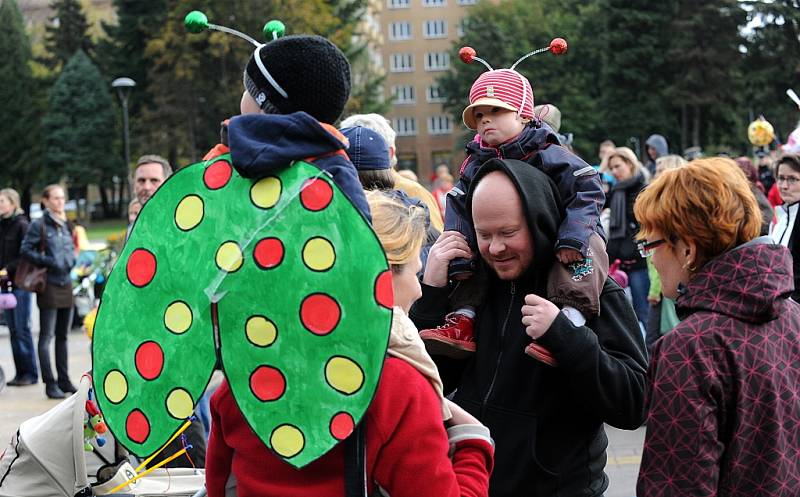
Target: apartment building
x,y
417,47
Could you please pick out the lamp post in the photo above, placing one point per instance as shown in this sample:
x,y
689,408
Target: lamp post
x,y
124,87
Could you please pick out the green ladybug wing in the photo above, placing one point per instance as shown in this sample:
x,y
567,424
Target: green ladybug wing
x,y
304,311
153,348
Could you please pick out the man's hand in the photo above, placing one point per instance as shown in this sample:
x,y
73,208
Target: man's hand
x,y
537,315
568,255
654,300
449,245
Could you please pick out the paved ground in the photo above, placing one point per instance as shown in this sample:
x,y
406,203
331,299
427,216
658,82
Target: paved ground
x,y
20,403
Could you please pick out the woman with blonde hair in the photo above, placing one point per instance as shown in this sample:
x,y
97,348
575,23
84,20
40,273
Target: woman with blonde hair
x,y
723,385
408,451
630,177
13,225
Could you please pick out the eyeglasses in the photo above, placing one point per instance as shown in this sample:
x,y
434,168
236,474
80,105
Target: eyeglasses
x,y
789,180
646,248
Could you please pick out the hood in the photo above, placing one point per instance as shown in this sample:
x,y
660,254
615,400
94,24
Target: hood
x,y
748,283
531,139
261,143
659,143
543,210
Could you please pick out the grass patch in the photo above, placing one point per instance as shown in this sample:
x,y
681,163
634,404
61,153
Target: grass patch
x,y
100,230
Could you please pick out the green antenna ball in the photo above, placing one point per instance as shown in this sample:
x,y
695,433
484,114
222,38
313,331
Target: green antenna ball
x,y
274,29
195,21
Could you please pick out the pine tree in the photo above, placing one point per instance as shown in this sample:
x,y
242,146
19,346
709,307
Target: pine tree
x,y
18,112
66,33
79,126
706,62
772,62
635,39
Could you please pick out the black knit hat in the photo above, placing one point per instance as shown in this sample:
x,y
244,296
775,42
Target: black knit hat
x,y
299,73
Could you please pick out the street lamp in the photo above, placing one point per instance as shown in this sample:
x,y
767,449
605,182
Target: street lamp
x,y
124,87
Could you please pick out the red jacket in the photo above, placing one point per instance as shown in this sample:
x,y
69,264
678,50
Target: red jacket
x,y
724,386
407,449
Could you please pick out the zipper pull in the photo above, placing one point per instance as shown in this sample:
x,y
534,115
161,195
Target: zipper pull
x,y
513,288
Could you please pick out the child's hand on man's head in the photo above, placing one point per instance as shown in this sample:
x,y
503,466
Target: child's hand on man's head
x,y
568,255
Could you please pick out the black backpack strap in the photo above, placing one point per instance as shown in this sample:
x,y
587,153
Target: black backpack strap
x,y
355,463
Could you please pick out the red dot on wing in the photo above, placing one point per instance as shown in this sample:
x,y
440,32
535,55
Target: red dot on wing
x,y
141,267
320,313
267,383
149,360
217,175
316,194
384,294
342,425
137,427
268,253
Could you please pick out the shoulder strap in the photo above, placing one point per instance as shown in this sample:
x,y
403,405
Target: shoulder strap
x,y
355,463
41,240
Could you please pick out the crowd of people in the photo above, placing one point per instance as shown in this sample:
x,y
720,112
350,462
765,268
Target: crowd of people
x,y
511,345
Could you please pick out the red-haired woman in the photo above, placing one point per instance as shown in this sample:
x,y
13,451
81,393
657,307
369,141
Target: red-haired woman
x,y
723,389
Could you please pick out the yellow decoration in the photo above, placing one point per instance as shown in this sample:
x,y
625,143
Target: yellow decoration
x,y
88,322
318,254
266,192
344,375
760,132
287,440
179,404
189,212
229,257
178,317
116,386
261,331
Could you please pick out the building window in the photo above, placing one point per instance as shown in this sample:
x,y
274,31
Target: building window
x,y
398,4
402,62
435,94
460,28
440,125
434,3
435,29
400,30
403,94
407,160
437,61
467,2
405,126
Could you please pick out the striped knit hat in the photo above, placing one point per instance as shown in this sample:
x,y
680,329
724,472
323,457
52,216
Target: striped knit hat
x,y
504,88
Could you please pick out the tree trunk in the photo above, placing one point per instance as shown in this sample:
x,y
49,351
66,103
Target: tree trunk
x,y
684,127
104,201
696,127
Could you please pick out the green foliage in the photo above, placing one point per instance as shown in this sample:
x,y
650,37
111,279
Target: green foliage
x,y
66,33
18,112
772,63
79,124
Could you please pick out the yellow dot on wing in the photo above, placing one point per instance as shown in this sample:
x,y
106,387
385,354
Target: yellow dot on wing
x,y
179,404
319,254
261,331
344,375
178,317
229,257
287,440
189,212
115,386
266,192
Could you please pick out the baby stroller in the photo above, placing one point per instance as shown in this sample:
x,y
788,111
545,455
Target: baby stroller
x,y
46,457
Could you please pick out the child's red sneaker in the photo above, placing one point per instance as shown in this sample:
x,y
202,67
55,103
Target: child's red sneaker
x,y
453,339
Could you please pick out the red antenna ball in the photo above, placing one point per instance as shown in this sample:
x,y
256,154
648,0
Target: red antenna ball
x,y
558,46
467,54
